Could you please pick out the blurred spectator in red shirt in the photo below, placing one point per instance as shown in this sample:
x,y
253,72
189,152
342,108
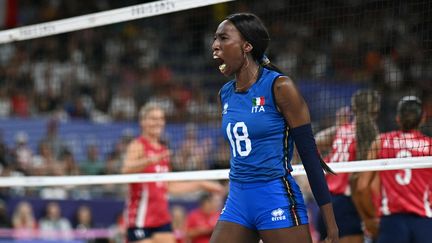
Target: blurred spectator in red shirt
x,y
201,221
20,104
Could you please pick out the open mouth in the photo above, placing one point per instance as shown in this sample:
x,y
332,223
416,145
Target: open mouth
x,y
220,63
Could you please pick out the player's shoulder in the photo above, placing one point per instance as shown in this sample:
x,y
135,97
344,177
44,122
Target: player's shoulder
x,y
136,144
422,136
227,86
391,134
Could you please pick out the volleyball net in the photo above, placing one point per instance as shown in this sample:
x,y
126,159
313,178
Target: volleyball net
x,y
73,77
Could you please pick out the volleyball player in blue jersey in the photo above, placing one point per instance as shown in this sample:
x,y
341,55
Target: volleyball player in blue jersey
x,y
263,115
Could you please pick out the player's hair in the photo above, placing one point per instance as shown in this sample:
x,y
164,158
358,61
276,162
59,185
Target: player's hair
x,y
204,198
365,105
145,109
410,112
253,31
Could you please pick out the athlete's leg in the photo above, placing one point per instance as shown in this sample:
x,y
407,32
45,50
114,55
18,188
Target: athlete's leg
x,y
294,234
163,237
227,232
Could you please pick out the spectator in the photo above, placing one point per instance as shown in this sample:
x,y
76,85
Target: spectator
x,y
20,104
93,165
52,139
113,166
23,153
53,225
45,163
4,152
68,162
79,109
201,222
193,152
10,170
83,218
23,219
123,105
113,163
4,219
221,158
5,103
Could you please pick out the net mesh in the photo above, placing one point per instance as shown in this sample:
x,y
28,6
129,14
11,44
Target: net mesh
x,y
69,103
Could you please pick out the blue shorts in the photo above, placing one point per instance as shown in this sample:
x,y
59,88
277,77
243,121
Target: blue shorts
x,y
347,218
265,205
137,234
405,228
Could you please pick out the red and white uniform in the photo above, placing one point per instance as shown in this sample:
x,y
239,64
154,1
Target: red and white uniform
x,y
343,149
197,219
406,191
147,204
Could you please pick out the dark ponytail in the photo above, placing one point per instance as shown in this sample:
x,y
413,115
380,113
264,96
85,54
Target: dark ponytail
x,y
365,105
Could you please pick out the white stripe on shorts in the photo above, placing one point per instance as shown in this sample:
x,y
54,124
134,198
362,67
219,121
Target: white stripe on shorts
x,y
142,208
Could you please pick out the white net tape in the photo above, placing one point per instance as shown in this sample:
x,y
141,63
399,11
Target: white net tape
x,y
102,18
357,166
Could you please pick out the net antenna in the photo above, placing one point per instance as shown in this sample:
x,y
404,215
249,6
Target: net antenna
x,y
87,21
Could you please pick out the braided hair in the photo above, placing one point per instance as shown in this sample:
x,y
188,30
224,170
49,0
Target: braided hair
x,y
365,105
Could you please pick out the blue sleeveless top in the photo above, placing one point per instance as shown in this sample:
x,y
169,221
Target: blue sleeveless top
x,y
261,149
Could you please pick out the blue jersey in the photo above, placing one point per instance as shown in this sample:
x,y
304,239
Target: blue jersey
x,y
261,149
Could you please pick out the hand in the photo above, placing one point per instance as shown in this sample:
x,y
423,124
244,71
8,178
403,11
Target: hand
x,y
165,155
329,219
371,227
332,235
157,158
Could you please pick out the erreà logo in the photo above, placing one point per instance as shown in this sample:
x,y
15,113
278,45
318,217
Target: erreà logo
x,y
225,109
258,104
278,214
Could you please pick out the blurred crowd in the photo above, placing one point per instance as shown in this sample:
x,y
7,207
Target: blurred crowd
x,y
105,74
193,225
52,225
55,157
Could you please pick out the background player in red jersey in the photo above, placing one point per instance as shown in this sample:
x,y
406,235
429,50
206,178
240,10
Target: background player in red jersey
x,y
201,221
405,206
148,218
349,141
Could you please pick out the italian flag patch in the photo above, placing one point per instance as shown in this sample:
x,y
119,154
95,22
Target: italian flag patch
x,y
258,101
